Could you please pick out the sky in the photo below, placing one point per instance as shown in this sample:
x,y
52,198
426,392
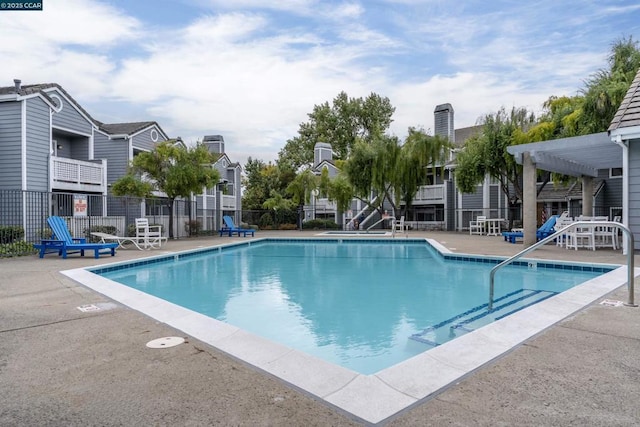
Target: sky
x,y
252,70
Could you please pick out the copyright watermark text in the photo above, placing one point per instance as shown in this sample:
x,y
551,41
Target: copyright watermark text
x,y
20,5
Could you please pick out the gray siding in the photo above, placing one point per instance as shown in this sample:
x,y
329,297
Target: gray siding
x,y
80,148
494,195
634,190
472,200
38,145
143,140
450,210
115,151
70,118
10,140
612,196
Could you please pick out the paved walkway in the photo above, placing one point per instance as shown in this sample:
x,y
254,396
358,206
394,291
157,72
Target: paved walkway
x,y
59,366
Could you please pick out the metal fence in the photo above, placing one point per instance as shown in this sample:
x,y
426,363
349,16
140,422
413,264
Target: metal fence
x,y
23,216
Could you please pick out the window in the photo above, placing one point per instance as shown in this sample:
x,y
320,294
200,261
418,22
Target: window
x,y
615,173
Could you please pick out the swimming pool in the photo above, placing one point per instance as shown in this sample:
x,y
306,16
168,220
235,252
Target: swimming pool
x,y
371,398
364,305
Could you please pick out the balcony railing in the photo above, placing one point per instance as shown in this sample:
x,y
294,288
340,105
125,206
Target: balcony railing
x,y
228,202
71,174
430,194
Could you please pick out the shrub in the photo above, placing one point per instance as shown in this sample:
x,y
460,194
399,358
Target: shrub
x,y
11,233
288,227
19,248
193,227
266,220
320,224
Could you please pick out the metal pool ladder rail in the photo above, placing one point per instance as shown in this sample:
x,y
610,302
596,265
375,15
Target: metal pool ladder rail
x,y
625,230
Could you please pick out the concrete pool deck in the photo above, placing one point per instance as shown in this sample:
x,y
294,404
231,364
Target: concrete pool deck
x,y
59,366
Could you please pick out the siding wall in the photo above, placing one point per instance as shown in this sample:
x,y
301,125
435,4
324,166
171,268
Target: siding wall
x,y
613,189
38,145
80,148
115,151
494,195
450,203
472,200
10,142
143,140
634,191
69,117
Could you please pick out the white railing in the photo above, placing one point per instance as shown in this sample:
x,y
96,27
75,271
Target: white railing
x,y
77,172
430,193
228,202
325,204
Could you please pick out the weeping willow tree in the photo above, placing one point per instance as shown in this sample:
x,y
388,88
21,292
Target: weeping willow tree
x,y
420,153
391,171
486,153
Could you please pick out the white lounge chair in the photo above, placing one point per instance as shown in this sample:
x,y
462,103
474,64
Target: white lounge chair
x,y
112,238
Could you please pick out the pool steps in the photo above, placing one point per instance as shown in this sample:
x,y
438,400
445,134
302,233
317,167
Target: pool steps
x,y
479,316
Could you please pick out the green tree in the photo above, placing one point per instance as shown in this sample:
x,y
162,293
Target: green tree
x,y
341,124
420,154
279,204
486,153
393,171
175,170
131,185
260,179
605,90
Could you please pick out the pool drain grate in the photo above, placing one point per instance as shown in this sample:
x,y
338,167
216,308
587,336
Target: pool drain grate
x,y
165,342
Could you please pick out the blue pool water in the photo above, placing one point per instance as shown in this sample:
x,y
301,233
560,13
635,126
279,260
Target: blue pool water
x,y
365,305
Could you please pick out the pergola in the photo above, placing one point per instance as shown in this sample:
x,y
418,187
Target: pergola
x,y
579,156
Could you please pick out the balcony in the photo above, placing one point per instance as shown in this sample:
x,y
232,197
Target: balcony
x,y
430,194
78,175
228,202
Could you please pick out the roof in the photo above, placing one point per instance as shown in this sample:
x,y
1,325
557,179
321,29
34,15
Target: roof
x,y
26,90
125,128
575,156
461,135
563,192
110,128
628,114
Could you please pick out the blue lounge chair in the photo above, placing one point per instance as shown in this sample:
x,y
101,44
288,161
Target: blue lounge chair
x,y
230,228
545,230
63,243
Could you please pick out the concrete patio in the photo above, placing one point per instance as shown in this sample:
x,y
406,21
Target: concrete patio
x,y
60,366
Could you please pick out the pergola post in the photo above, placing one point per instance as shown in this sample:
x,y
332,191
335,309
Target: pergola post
x,y
587,195
529,202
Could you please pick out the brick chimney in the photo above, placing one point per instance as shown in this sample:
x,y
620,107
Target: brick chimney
x,y
17,83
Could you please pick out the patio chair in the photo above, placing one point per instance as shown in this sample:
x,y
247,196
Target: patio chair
x,y
398,225
230,228
545,230
63,243
150,236
477,226
120,240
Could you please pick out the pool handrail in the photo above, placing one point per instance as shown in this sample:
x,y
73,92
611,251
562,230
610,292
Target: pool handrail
x,y
630,259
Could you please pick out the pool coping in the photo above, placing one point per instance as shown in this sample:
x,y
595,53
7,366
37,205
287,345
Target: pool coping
x,y
370,398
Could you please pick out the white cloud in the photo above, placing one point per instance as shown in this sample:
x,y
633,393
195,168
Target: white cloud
x,y
67,42
252,70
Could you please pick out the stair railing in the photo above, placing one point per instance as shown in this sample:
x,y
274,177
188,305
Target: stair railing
x,y
617,225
